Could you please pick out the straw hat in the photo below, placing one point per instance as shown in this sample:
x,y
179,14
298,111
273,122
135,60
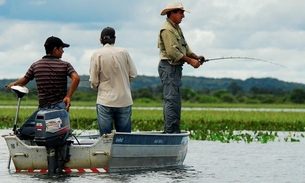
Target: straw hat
x,y
173,6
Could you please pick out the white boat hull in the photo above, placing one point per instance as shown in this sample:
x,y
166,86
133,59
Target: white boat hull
x,y
113,152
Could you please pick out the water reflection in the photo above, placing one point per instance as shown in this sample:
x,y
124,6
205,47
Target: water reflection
x,y
183,173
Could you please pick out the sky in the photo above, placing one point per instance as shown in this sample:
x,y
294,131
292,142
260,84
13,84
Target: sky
x,y
270,30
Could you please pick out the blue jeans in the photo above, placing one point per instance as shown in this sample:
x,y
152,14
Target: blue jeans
x,y
120,117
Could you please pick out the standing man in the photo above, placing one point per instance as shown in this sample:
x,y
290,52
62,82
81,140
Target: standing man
x,y
174,52
111,70
50,74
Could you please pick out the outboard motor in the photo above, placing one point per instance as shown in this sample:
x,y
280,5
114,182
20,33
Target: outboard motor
x,y
52,129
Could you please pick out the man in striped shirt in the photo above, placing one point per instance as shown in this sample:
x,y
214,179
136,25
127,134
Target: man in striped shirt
x,y
50,74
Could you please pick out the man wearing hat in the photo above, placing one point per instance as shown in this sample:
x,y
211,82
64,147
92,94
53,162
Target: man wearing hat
x,y
174,52
111,71
50,74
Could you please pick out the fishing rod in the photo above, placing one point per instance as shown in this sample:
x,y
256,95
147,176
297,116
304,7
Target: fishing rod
x,y
203,60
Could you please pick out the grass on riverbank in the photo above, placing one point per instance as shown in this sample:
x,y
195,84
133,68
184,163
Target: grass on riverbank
x,y
203,125
26,102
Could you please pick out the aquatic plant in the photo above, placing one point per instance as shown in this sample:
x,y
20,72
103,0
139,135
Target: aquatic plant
x,y
212,125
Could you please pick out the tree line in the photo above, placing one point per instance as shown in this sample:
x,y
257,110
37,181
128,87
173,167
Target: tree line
x,y
234,93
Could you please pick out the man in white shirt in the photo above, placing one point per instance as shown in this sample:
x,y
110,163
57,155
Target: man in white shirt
x,y
111,70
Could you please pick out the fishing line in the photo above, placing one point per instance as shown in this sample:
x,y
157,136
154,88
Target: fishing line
x,y
248,58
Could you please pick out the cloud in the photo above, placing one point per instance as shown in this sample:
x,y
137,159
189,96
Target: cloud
x,y
67,10
271,30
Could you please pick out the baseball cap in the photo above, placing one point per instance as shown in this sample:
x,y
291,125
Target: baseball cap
x,y
55,42
108,33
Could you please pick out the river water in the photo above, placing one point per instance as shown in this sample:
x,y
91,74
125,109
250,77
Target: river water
x,y
206,161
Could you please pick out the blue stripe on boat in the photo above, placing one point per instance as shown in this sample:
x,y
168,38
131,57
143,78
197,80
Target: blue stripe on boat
x,y
147,139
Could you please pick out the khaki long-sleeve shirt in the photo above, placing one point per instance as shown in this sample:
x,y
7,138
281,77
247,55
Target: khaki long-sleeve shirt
x,y
111,70
172,43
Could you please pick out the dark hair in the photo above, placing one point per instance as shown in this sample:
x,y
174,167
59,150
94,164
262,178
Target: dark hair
x,y
174,11
49,49
108,40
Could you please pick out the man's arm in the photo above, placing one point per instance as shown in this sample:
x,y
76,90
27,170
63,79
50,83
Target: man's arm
x,y
21,82
192,61
132,68
173,52
93,73
74,84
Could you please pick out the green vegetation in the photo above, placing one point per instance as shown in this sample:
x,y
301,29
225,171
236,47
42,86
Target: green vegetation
x,y
213,125
233,94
